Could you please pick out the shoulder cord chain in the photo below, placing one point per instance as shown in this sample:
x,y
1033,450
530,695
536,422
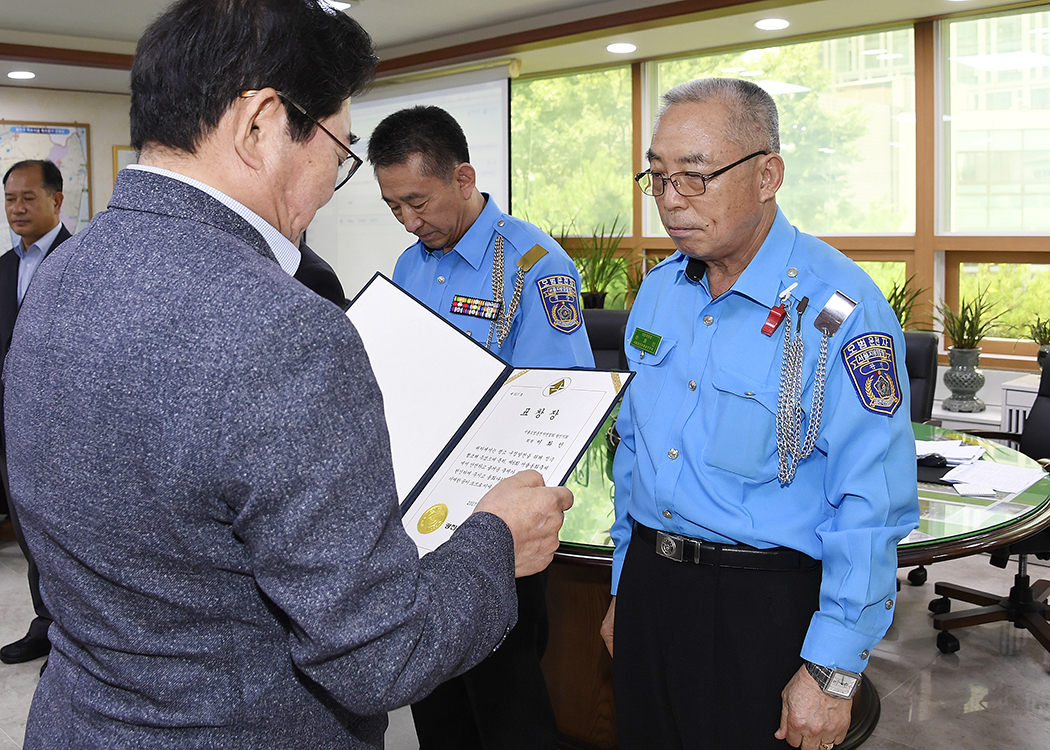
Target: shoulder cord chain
x,y
791,448
503,320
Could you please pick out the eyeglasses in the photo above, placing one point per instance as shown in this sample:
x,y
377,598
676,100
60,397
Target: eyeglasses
x,y
347,166
688,184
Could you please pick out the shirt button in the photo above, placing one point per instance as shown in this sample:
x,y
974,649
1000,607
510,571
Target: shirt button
x,y
864,654
668,514
792,272
500,223
672,454
641,355
468,333
692,385
441,279
749,393
889,604
708,320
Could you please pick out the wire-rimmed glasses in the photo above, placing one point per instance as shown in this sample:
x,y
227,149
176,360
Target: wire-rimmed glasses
x,y
688,184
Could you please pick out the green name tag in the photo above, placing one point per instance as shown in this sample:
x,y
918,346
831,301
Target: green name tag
x,y
647,342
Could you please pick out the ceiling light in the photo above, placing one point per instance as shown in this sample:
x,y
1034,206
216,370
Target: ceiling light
x,y
752,73
337,5
771,24
621,48
875,52
890,56
21,75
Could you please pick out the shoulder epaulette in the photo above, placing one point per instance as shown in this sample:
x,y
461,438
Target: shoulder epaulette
x,y
529,259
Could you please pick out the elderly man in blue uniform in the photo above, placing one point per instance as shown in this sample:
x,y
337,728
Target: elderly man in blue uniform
x,y
767,468
510,286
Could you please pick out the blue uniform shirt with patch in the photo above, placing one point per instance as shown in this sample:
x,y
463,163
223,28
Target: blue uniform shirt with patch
x,y
547,330
698,450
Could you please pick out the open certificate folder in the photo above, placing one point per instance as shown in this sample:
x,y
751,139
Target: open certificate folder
x,y
461,419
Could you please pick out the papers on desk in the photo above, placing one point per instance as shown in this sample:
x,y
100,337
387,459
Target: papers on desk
x,y
973,478
999,477
955,452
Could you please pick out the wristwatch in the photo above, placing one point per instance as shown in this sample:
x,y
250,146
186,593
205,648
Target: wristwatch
x,y
836,682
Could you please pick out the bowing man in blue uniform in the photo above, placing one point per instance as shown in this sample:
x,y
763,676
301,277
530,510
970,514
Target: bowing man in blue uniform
x,y
511,287
766,469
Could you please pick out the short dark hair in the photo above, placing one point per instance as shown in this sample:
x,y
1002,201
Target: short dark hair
x,y
194,61
52,174
429,131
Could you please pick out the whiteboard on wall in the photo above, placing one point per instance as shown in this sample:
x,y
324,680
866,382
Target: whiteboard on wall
x,y
355,232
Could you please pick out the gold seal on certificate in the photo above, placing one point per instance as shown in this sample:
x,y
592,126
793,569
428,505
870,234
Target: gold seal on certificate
x,y
432,518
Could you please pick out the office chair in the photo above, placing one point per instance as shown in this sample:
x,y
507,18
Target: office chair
x,y
605,329
1026,605
920,359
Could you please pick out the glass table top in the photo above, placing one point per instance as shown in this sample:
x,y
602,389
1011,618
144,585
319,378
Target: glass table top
x,y
944,515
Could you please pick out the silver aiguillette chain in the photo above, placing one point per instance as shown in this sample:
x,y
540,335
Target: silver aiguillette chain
x,y
505,317
792,448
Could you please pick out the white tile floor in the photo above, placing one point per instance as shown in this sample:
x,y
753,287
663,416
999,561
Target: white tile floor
x,y
994,694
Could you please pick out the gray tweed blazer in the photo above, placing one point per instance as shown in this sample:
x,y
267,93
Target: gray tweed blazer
x,y
199,447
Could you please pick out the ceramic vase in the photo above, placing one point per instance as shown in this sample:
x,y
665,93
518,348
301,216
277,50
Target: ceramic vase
x,y
963,379
593,300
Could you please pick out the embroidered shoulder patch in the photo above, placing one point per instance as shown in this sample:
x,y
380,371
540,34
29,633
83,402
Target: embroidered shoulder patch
x,y
561,301
871,365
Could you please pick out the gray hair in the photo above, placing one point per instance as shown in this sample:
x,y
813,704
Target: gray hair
x,y
752,123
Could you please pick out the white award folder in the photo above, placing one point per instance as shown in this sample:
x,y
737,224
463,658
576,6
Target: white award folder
x,y
460,418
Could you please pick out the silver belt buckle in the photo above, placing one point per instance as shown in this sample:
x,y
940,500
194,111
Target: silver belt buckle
x,y
669,546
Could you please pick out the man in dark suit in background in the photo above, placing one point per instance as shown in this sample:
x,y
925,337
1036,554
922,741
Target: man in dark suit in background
x,y
32,200
315,274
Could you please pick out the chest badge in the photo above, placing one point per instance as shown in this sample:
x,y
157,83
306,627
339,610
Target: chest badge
x,y
475,307
646,341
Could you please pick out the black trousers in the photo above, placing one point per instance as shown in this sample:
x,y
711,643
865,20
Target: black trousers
x,y
502,703
702,652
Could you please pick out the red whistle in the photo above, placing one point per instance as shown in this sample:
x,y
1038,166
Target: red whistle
x,y
776,314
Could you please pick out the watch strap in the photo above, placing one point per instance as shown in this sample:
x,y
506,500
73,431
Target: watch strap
x,y
824,675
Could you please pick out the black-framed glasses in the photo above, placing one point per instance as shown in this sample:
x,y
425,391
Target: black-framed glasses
x,y
688,184
347,166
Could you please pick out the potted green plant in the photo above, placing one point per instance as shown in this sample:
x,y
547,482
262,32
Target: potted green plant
x,y
635,273
902,298
1039,332
598,262
966,329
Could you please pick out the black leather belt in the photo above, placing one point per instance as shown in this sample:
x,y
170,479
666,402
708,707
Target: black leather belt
x,y
684,549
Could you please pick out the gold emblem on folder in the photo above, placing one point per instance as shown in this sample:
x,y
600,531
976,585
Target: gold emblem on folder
x,y
556,386
432,518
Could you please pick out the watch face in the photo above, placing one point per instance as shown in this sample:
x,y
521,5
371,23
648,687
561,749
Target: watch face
x,y
841,685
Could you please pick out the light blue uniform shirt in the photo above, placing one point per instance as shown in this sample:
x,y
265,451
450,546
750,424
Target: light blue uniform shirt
x,y
30,258
547,330
698,455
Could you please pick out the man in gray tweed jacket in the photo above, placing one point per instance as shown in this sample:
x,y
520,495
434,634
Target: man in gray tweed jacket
x,y
199,441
